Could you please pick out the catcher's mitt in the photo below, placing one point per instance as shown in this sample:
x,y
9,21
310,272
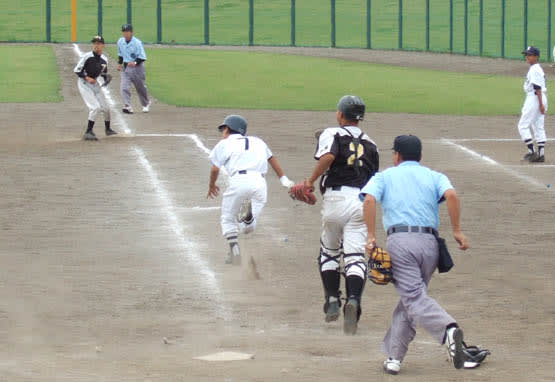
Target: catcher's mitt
x,y
474,356
107,79
379,263
302,192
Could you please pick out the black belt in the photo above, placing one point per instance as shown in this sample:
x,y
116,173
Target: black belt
x,y
243,172
406,228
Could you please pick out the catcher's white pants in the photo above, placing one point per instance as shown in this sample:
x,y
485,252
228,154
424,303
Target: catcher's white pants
x,y
343,231
251,185
94,99
531,118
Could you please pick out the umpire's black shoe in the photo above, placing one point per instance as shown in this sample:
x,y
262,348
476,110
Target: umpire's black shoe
x,y
351,316
538,159
90,136
109,132
331,308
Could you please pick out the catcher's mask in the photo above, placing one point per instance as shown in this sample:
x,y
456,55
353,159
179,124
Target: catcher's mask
x,y
379,264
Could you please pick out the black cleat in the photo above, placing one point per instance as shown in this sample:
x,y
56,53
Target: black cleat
x,y
109,132
351,317
331,308
538,159
90,136
530,157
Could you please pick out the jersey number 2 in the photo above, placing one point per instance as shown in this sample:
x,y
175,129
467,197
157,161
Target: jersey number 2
x,y
357,153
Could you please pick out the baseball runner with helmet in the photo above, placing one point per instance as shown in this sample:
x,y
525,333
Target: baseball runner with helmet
x,y
245,158
92,70
534,108
347,159
131,58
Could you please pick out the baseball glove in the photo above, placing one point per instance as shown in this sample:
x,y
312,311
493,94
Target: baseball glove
x,y
107,79
474,356
303,193
379,263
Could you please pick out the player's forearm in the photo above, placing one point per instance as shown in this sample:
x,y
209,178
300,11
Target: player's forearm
x,y
276,167
214,172
369,211
454,209
323,164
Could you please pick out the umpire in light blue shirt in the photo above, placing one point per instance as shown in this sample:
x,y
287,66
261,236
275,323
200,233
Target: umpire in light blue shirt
x,y
410,194
131,58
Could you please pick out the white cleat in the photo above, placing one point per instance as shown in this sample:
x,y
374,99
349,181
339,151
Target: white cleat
x,y
146,108
392,366
455,347
127,109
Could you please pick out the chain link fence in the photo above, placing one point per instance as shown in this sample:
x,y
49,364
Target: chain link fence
x,y
496,28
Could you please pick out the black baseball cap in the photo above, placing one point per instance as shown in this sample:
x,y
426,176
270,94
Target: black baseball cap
x,y
409,146
126,28
98,39
531,51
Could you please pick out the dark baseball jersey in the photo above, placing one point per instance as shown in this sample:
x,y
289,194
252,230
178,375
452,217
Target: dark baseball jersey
x,y
356,156
92,65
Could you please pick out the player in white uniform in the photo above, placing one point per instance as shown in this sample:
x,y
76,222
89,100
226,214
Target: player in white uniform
x,y
245,159
534,108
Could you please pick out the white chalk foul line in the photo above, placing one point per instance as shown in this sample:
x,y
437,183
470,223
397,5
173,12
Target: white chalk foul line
x,y
490,139
488,160
190,249
120,121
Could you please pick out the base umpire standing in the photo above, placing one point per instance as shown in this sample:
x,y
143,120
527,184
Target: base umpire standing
x,y
410,195
131,54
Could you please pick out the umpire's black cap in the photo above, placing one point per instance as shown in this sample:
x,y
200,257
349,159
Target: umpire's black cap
x,y
531,51
127,28
98,39
409,146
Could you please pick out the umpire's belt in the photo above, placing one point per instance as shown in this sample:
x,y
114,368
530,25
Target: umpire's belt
x,y
411,228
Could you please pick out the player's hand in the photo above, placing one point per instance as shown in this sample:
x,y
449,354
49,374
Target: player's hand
x,y
213,191
370,243
119,67
131,64
90,80
461,239
542,109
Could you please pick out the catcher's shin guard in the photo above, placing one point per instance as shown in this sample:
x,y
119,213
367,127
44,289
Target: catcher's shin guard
x,y
328,266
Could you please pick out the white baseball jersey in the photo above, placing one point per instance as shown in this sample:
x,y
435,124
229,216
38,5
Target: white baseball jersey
x,y
241,153
535,76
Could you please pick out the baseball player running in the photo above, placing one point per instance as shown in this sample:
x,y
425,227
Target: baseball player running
x,y
90,67
347,159
245,158
131,54
534,108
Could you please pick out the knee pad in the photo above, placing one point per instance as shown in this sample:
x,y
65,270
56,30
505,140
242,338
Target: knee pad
x,y
355,265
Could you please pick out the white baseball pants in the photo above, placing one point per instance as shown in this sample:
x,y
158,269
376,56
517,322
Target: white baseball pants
x,y
251,185
531,118
94,99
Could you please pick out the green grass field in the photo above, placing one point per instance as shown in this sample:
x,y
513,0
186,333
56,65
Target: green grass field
x,y
183,22
23,80
201,78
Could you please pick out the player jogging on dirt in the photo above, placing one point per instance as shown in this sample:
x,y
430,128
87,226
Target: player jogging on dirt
x,y
534,108
245,158
91,66
347,159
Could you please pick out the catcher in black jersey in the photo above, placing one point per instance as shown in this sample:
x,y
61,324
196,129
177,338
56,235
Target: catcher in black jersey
x,y
347,159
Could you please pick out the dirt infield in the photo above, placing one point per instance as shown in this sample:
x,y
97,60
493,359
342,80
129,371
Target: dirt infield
x,y
112,262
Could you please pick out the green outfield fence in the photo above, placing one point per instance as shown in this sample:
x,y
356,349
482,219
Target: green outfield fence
x,y
496,28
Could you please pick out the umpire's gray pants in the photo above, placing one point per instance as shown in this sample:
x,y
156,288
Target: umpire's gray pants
x,y
94,99
413,259
136,76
